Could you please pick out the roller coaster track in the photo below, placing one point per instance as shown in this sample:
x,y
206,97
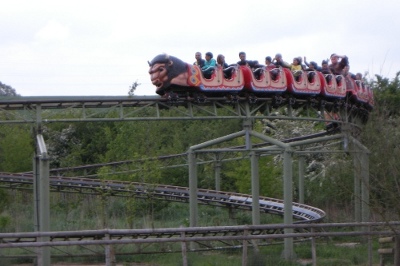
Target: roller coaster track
x,y
207,238
146,108
301,212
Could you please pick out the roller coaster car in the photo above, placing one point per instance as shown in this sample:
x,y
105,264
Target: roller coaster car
x,y
332,86
358,93
264,81
170,75
299,83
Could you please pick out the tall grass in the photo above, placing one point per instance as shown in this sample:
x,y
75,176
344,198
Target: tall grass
x,y
87,212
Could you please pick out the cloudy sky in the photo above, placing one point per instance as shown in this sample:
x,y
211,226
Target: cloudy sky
x,y
55,48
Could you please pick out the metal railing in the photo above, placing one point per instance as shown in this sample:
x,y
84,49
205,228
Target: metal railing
x,y
206,238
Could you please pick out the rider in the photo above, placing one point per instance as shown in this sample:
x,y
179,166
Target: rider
x,y
209,65
199,61
337,65
243,62
221,62
278,61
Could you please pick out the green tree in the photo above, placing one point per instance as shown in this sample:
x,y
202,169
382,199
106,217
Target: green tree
x,y
77,144
382,138
387,96
133,88
6,90
16,152
151,139
270,175
16,148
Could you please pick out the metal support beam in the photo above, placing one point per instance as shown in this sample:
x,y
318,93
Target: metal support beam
x,y
255,188
217,140
363,158
361,181
217,170
36,183
302,162
193,189
193,206
357,187
38,119
42,196
365,208
288,202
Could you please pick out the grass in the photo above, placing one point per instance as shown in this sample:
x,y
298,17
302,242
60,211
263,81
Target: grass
x,y
77,212
329,253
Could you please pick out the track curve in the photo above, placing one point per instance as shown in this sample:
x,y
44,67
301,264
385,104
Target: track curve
x,y
301,212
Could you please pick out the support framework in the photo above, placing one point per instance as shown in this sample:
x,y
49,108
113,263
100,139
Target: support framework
x,y
30,110
286,149
42,198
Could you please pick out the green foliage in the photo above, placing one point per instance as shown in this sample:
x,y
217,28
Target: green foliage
x,y
270,176
5,219
77,144
16,148
387,94
18,206
335,189
6,90
4,199
146,172
133,88
382,137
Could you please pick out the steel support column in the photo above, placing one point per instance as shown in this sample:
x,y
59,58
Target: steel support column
x,y
193,189
255,188
217,172
42,195
365,209
357,187
36,183
301,178
288,202
361,180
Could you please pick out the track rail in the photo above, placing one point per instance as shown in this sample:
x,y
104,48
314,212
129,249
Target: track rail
x,y
158,240
166,240
14,110
301,212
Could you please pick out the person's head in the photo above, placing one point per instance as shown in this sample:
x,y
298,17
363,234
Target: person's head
x,y
268,60
197,55
313,65
334,58
278,57
220,59
296,61
242,56
324,64
359,76
209,55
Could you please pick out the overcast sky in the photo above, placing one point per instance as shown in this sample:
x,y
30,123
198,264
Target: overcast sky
x,y
52,48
